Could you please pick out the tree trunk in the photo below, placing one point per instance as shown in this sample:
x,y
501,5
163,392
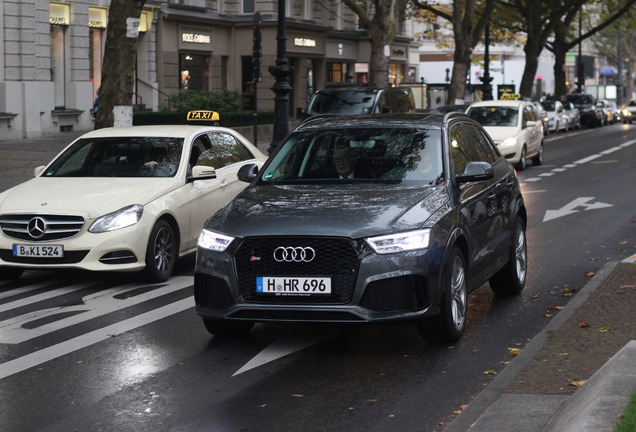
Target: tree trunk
x,y
560,52
530,70
379,38
118,69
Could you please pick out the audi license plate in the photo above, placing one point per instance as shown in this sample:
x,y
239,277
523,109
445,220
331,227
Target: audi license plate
x,y
293,286
41,251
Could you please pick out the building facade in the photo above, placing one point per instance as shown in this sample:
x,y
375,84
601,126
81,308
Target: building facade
x,y
51,55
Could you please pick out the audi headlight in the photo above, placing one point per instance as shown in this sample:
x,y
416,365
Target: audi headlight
x,y
214,241
122,218
401,242
509,142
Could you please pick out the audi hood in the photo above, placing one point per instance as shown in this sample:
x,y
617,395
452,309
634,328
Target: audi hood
x,y
352,210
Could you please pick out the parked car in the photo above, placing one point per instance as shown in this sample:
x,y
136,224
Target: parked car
x,y
515,127
429,212
629,112
609,110
574,117
543,115
122,199
360,100
590,115
557,117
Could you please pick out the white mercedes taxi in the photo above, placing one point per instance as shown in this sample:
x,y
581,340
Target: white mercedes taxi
x,y
515,126
122,199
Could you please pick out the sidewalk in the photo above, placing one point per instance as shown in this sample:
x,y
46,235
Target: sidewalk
x,y
596,405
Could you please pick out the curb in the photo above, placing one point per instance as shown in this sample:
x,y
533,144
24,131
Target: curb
x,y
492,393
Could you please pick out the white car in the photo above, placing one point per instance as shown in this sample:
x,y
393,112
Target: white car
x,y
514,126
122,199
558,117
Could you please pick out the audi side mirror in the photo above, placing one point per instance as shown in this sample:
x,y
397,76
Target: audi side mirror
x,y
476,171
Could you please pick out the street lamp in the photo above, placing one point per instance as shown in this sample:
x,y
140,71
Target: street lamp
x,y
486,88
281,87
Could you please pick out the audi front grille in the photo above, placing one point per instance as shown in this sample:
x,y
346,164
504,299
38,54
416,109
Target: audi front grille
x,y
40,227
334,257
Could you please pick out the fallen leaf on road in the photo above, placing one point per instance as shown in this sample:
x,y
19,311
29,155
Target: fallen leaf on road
x,y
583,324
577,383
297,395
514,351
548,315
555,307
534,297
624,242
112,334
589,274
605,329
564,354
490,372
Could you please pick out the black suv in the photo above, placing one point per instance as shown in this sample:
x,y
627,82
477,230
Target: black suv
x,y
591,116
373,218
360,100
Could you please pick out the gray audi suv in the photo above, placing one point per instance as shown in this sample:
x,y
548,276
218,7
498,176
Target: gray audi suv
x,y
371,218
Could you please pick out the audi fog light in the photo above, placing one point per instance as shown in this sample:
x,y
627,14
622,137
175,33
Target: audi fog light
x,y
214,241
122,218
400,242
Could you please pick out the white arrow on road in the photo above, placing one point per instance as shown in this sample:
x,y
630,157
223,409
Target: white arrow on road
x,y
572,208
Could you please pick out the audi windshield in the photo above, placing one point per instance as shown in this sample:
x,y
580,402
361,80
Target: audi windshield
x,y
391,155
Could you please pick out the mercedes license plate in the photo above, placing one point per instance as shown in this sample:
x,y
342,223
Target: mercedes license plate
x,y
41,251
293,286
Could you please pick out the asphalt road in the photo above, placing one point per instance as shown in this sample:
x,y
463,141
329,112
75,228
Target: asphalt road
x,y
94,352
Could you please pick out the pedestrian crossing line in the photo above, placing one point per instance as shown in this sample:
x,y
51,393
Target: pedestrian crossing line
x,y
22,290
44,355
94,305
42,296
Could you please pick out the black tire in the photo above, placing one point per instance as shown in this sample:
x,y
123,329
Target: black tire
x,y
223,328
521,165
10,273
538,158
161,252
512,277
449,326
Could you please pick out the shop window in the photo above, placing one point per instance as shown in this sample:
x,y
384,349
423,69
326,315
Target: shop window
x,y
58,75
194,72
337,72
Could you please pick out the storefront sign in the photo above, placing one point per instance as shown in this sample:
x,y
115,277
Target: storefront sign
x,y
97,17
303,42
197,38
59,14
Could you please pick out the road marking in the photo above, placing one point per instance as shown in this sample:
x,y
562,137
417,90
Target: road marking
x,y
43,296
44,355
572,208
284,346
15,330
587,159
17,291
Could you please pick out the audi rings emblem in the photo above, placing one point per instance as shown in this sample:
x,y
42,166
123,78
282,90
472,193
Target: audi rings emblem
x,y
294,254
36,227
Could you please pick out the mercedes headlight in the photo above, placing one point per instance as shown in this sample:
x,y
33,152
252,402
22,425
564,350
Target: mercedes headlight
x,y
400,242
214,241
509,142
122,218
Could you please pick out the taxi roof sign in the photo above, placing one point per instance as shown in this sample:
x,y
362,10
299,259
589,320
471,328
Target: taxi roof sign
x,y
511,96
203,115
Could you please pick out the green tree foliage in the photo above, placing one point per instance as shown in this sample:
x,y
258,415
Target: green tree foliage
x,y
220,101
